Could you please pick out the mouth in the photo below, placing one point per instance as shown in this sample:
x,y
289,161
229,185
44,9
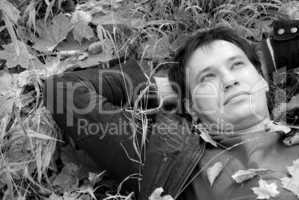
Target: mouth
x,y
231,97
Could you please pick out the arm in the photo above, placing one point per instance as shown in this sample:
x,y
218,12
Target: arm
x,y
90,109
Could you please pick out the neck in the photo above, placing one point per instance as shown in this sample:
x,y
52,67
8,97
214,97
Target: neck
x,y
255,137
258,137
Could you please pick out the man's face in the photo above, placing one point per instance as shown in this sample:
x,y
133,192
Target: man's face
x,y
225,87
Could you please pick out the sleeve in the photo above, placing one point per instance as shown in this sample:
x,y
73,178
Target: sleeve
x,y
91,110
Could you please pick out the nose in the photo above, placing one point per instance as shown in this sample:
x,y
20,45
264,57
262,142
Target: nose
x,y
229,80
231,84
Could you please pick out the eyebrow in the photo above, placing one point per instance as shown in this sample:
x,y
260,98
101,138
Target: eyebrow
x,y
209,68
235,57
205,70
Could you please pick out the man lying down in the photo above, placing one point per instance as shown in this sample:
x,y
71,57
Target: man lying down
x,y
223,125
226,95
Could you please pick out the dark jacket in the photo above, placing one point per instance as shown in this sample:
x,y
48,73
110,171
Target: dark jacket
x,y
234,157
80,102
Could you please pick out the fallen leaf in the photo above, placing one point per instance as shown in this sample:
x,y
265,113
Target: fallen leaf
x,y
80,20
10,10
82,30
156,195
204,134
102,57
94,178
14,57
68,177
292,183
277,127
244,175
95,48
71,44
50,35
117,19
81,16
214,171
265,190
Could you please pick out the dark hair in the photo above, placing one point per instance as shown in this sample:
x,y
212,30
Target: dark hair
x,y
177,72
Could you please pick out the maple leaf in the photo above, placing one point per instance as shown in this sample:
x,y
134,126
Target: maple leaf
x,y
265,190
157,195
244,175
292,183
13,56
50,35
214,171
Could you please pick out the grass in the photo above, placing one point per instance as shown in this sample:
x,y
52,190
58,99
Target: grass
x,y
150,31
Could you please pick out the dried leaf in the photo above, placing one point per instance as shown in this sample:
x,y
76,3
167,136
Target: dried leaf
x,y
50,35
13,56
116,19
292,183
10,10
68,177
204,134
94,178
103,56
265,190
156,195
276,127
81,29
244,175
95,48
81,16
95,7
214,171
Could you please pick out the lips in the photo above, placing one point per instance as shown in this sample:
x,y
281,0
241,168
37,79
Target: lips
x,y
229,98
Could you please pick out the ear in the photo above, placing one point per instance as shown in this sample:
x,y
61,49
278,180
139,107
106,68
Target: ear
x,y
261,85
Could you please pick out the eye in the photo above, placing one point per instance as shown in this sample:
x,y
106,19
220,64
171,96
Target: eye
x,y
207,77
237,64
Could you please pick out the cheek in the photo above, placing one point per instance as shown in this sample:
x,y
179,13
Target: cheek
x,y
206,95
250,78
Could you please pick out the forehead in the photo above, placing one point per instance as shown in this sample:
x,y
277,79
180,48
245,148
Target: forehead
x,y
213,54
